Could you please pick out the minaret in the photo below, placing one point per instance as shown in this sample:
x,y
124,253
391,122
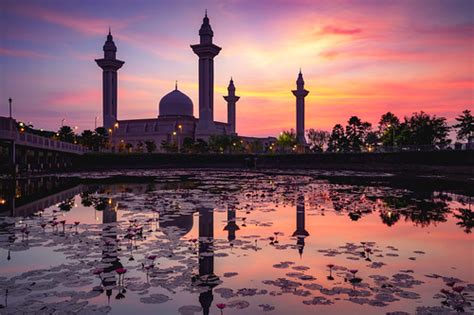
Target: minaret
x,y
207,278
206,51
231,226
109,64
300,94
231,99
300,232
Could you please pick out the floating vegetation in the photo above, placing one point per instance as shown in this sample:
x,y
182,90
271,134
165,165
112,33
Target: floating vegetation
x,y
192,242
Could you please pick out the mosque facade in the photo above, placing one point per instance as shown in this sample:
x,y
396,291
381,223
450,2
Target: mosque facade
x,y
175,121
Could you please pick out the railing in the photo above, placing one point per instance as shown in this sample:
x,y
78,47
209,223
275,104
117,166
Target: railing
x,y
8,132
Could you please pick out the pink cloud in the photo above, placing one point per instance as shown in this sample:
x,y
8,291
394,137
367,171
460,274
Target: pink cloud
x,y
335,30
23,53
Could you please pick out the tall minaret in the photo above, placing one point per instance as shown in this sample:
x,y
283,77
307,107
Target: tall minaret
x,y
206,51
109,64
300,94
231,99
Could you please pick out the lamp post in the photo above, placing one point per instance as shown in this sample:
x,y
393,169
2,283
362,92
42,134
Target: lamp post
x,y
95,122
180,130
62,122
10,105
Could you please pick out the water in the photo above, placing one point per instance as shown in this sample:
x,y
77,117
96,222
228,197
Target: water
x,y
258,243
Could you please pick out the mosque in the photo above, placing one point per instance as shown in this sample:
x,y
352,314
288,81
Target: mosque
x,y
175,120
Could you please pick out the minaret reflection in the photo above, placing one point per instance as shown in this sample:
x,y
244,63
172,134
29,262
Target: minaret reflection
x,y
231,226
207,278
110,247
300,232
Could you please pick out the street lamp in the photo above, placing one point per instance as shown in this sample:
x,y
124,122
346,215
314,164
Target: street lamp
x,y
10,105
95,122
62,122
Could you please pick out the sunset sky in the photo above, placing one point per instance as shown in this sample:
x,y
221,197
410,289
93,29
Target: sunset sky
x,y
358,58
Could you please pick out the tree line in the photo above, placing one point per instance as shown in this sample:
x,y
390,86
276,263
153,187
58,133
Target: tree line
x,y
420,130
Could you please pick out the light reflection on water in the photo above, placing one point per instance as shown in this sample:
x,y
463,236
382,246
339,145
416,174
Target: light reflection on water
x,y
254,242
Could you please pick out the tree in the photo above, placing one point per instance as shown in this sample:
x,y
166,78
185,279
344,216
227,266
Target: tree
x,y
255,146
129,147
169,147
317,139
66,134
201,146
219,143
87,139
286,140
188,145
356,133
465,126
101,138
150,146
421,129
389,126
337,141
372,140
139,147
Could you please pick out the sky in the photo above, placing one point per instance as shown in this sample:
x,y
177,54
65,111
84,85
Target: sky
x,y
359,58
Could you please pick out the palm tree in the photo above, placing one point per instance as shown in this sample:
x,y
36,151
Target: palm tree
x,y
465,126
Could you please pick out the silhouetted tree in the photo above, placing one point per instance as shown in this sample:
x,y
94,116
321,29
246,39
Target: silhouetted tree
x,y
465,126
356,133
317,139
255,146
219,143
87,139
101,138
286,140
139,147
150,146
337,140
201,146
389,125
169,147
66,134
372,140
422,129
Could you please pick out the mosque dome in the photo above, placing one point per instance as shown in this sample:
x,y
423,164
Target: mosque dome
x,y
177,225
176,103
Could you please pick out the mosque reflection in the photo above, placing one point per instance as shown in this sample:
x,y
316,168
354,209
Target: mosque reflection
x,y
26,198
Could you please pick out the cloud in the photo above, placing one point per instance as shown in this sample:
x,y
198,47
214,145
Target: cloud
x,y
335,30
21,53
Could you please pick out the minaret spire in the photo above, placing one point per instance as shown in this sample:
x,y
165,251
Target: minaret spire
x,y
110,65
231,99
300,94
176,85
206,51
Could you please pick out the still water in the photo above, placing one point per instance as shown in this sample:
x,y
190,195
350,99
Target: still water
x,y
195,242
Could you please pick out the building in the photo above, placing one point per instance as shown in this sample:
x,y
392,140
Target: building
x,y
175,120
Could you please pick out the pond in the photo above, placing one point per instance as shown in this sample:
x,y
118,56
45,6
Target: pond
x,y
221,242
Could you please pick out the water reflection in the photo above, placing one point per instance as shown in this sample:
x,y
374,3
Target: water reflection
x,y
150,229
300,232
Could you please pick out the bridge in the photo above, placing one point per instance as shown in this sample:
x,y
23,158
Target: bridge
x,y
29,152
